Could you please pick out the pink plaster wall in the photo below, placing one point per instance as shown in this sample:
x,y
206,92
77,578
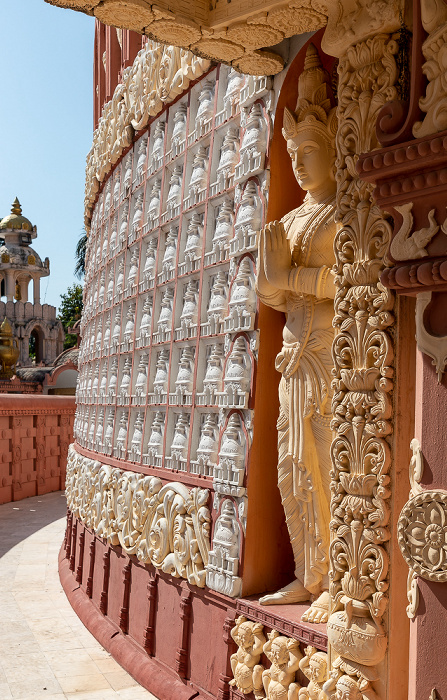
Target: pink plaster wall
x,y
35,432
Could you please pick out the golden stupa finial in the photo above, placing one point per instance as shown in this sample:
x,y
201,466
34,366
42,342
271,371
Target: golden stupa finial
x,y
16,208
5,328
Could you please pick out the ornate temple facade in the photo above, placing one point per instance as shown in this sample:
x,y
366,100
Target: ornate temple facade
x,y
21,266
265,201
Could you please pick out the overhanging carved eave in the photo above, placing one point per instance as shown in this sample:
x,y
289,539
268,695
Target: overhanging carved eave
x,y
237,33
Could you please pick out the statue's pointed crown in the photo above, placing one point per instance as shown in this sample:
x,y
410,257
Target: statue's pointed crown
x,y
314,107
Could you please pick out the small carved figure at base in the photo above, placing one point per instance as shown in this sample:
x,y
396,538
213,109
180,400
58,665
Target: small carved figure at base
x,y
279,679
319,610
246,670
292,593
314,667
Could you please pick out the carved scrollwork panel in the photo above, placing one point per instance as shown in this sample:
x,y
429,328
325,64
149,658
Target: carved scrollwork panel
x,y
167,525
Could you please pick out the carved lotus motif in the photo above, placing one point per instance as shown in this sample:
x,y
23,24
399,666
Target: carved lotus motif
x,y
422,534
360,379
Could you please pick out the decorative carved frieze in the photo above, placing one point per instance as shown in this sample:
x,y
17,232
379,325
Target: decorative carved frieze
x,y
232,33
165,525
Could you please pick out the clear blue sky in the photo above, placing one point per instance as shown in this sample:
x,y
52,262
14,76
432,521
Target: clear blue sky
x,y
46,118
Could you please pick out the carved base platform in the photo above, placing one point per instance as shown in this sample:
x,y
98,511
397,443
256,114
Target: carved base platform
x,y
286,619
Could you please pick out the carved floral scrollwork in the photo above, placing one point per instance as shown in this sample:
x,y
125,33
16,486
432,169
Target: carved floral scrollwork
x,y
362,409
167,525
422,534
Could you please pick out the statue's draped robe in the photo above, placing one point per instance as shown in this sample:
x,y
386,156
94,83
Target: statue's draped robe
x,y
304,434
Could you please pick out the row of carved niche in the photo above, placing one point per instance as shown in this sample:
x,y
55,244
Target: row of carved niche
x,y
227,303
244,208
149,151
220,375
280,679
212,444
230,228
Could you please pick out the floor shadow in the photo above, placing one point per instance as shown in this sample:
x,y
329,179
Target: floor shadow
x,y
20,519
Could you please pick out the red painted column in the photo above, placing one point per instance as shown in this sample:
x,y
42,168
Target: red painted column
x,y
428,668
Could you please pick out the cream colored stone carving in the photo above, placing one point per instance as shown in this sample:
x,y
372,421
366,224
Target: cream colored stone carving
x,y
406,245
434,346
223,565
168,70
218,33
314,665
434,103
247,671
422,534
362,379
165,525
294,276
285,656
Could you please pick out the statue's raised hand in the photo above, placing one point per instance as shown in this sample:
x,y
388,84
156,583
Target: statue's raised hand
x,y
276,254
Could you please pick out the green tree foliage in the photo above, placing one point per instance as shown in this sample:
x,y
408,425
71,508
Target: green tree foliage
x,y
70,311
80,249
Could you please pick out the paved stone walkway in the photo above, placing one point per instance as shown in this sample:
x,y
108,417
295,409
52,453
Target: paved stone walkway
x,y
45,650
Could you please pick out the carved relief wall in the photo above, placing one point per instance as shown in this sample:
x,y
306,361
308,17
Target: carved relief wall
x,y
169,349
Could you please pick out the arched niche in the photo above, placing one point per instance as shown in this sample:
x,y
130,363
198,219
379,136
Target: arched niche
x,y
268,560
36,344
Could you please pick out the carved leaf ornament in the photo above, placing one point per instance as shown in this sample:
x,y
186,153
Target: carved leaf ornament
x,y
167,525
422,535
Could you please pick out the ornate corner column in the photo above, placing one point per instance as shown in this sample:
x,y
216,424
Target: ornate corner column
x,y
362,451
411,183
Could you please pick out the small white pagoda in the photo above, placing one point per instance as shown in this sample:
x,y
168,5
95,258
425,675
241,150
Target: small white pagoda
x,y
19,265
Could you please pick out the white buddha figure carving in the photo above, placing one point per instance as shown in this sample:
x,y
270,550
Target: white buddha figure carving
x,y
116,333
206,106
116,189
155,442
175,190
230,467
153,209
157,144
125,378
254,140
107,323
199,171
218,302
248,216
149,265
137,215
133,268
113,378
189,314
137,437
207,448
212,381
229,156
165,316
179,130
113,236
107,199
146,320
237,371
242,304
99,430
193,238
294,276
140,384
184,380
123,223
127,179
161,374
120,441
223,230
168,262
179,444
235,81
103,382
141,158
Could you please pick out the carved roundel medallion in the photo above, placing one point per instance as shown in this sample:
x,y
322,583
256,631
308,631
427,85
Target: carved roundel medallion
x,y
422,534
